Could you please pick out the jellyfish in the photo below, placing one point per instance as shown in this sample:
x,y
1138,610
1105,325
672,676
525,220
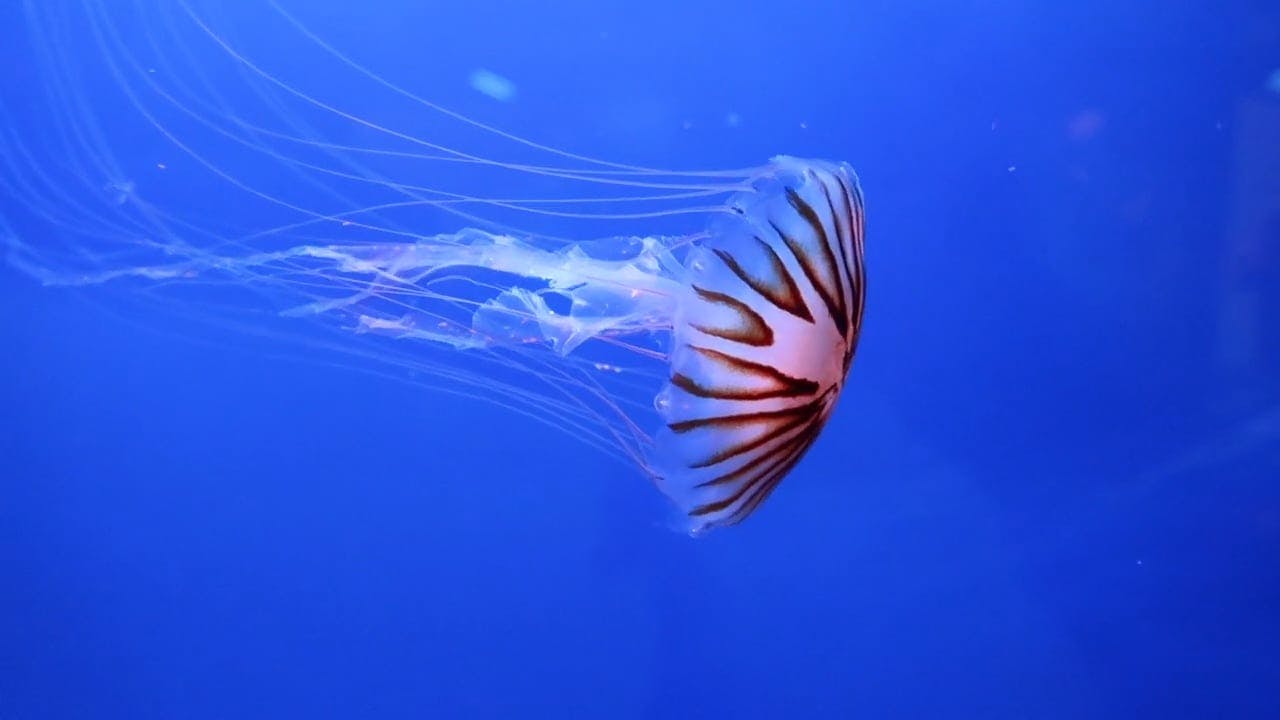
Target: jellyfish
x,y
171,166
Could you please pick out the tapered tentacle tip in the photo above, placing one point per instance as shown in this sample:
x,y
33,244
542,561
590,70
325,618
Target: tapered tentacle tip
x,y
7,249
18,257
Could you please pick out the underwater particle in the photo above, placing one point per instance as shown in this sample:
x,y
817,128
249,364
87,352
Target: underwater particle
x,y
1273,82
161,166
1085,125
492,84
1012,168
733,119
804,125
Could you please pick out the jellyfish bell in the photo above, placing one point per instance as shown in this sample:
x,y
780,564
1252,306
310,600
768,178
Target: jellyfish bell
x,y
710,358
764,335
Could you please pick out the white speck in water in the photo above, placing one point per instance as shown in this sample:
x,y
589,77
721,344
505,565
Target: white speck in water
x,y
1012,168
492,84
733,119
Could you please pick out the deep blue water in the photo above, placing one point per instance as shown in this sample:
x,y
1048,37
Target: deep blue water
x,y
1049,491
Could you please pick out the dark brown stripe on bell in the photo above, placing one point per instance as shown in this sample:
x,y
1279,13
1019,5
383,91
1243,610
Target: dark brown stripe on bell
x,y
770,382
854,199
844,239
784,293
737,421
780,460
778,430
815,279
751,328
765,487
854,196
744,473
810,216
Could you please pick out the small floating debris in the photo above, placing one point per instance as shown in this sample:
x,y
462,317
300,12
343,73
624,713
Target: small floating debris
x,y
120,191
492,84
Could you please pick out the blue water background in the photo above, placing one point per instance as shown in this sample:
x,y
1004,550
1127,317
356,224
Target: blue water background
x,y
1050,489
